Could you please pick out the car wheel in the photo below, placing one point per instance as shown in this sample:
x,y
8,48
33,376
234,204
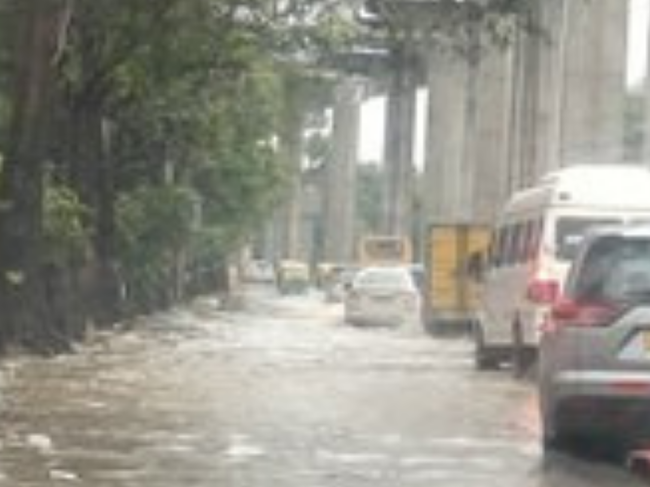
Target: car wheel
x,y
552,441
556,438
524,357
552,444
484,357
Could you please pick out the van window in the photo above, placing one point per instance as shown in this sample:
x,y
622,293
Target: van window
x,y
499,249
518,243
515,243
570,232
534,239
493,249
527,241
508,245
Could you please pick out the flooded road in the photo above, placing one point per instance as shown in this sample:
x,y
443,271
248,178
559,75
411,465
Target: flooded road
x,y
281,394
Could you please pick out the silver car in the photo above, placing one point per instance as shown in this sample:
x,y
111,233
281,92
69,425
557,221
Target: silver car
x,y
594,369
383,296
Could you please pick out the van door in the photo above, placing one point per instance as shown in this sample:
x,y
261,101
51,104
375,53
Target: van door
x,y
496,303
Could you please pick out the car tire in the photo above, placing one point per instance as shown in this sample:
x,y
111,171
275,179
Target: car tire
x,y
485,358
523,357
554,438
552,442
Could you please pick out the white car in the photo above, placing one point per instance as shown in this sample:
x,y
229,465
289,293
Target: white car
x,y
383,296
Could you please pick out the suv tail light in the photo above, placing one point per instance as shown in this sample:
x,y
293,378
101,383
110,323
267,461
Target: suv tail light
x,y
583,314
542,291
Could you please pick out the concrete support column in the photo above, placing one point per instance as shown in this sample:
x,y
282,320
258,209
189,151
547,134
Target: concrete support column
x,y
551,65
340,178
646,138
595,48
446,187
534,103
400,132
486,157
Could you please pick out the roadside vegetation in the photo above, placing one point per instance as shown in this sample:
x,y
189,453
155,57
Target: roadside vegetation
x,y
142,142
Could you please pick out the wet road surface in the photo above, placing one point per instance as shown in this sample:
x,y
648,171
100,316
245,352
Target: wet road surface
x,y
281,394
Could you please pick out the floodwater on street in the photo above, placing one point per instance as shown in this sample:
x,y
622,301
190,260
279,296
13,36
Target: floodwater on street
x,y
279,394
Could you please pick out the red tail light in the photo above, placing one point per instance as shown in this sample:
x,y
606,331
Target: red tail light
x,y
567,312
542,291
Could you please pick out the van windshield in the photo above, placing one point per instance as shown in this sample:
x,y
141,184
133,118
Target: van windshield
x,y
570,232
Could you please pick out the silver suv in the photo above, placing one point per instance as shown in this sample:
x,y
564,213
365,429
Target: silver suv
x,y
594,369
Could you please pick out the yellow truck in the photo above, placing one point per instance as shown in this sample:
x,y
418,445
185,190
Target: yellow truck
x,y
453,261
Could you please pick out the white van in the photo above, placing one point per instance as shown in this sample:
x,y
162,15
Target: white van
x,y
532,246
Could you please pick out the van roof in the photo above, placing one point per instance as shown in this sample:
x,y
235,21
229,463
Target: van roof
x,y
632,230
598,186
578,172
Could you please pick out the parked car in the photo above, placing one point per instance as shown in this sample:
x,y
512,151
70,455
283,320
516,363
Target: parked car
x,y
594,369
383,296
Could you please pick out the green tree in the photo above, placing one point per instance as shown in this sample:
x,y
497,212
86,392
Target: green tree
x,y
32,42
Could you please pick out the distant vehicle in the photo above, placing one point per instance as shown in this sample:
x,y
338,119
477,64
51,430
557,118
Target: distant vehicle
x,y
419,273
449,276
292,277
259,270
532,246
337,283
383,296
384,250
594,370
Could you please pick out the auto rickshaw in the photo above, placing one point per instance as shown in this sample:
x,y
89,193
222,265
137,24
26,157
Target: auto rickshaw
x,y
292,277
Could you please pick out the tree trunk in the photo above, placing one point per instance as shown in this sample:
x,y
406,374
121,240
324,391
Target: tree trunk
x,y
92,176
24,320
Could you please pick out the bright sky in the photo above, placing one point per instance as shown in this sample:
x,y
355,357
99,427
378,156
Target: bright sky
x,y
638,41
371,144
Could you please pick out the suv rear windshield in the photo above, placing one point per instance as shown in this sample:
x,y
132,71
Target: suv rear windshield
x,y
615,269
570,232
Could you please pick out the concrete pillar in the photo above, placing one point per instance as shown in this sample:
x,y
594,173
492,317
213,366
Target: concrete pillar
x,y
400,133
445,184
551,59
595,49
532,106
487,144
568,88
518,92
340,177
646,138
